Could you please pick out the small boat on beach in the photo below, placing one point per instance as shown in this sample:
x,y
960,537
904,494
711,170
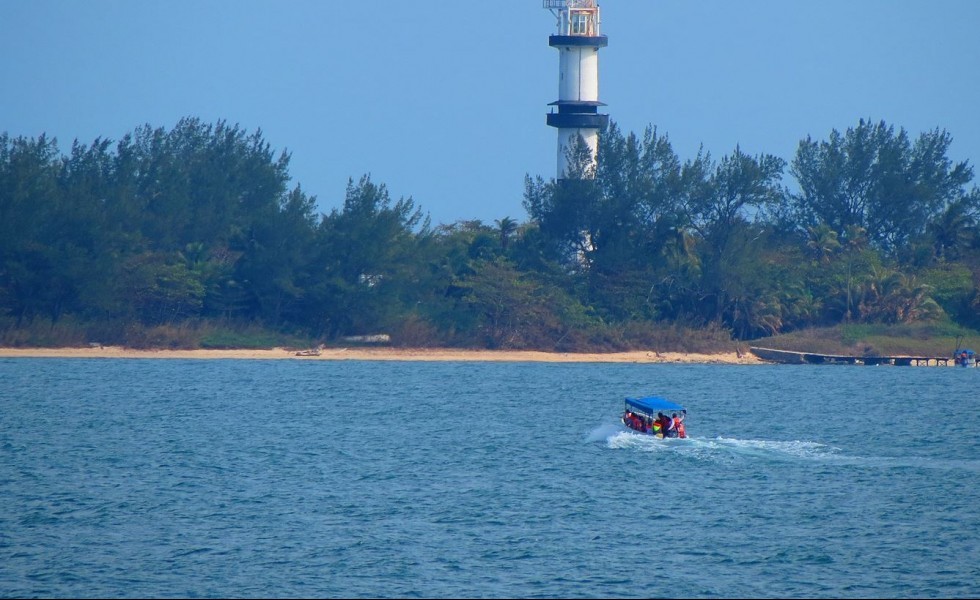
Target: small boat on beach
x,y
312,351
656,416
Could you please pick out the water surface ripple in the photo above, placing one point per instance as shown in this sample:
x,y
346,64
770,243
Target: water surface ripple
x,y
245,478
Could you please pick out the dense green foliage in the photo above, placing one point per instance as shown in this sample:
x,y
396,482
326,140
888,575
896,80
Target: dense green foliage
x,y
197,229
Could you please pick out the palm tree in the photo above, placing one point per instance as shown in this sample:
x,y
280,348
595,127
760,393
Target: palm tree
x,y
823,242
855,240
506,227
953,230
893,297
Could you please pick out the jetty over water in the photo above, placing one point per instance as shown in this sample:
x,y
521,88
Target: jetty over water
x,y
812,358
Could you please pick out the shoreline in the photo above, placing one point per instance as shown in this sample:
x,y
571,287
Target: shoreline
x,y
393,354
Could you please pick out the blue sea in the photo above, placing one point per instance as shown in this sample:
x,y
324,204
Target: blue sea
x,y
348,479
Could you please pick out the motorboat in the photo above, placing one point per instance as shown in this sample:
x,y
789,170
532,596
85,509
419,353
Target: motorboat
x,y
650,415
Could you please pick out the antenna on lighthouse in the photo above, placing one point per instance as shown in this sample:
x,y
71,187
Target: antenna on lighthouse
x,y
578,41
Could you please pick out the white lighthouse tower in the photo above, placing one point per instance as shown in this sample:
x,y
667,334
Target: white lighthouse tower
x,y
578,41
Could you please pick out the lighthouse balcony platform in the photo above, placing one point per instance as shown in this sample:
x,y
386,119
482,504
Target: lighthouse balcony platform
x,y
565,120
594,41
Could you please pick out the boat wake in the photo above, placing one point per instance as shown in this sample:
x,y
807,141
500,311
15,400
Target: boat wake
x,y
605,432
793,449
714,448
725,449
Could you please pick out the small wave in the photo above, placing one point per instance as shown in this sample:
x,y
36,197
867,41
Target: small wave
x,y
920,462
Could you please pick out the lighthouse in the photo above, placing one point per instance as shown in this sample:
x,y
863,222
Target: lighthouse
x,y
578,41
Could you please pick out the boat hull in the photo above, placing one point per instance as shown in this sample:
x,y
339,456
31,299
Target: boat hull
x,y
653,433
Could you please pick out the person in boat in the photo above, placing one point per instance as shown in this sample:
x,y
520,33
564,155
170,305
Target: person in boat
x,y
666,425
672,426
679,425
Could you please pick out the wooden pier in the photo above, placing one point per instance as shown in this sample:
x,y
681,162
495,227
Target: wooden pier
x,y
812,358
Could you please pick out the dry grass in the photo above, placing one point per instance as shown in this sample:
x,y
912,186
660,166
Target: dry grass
x,y
877,340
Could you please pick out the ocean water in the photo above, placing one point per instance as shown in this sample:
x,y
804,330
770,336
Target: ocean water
x,y
247,478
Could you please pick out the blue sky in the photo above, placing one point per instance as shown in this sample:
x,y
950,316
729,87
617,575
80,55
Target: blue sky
x,y
446,101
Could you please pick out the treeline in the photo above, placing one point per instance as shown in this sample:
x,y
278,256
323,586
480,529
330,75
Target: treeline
x,y
199,226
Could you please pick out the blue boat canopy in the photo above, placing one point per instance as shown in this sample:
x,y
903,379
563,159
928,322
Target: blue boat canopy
x,y
652,404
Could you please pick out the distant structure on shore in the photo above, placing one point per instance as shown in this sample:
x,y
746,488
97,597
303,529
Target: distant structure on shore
x,y
578,41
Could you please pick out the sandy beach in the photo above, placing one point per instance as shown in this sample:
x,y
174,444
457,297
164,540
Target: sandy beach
x,y
390,354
